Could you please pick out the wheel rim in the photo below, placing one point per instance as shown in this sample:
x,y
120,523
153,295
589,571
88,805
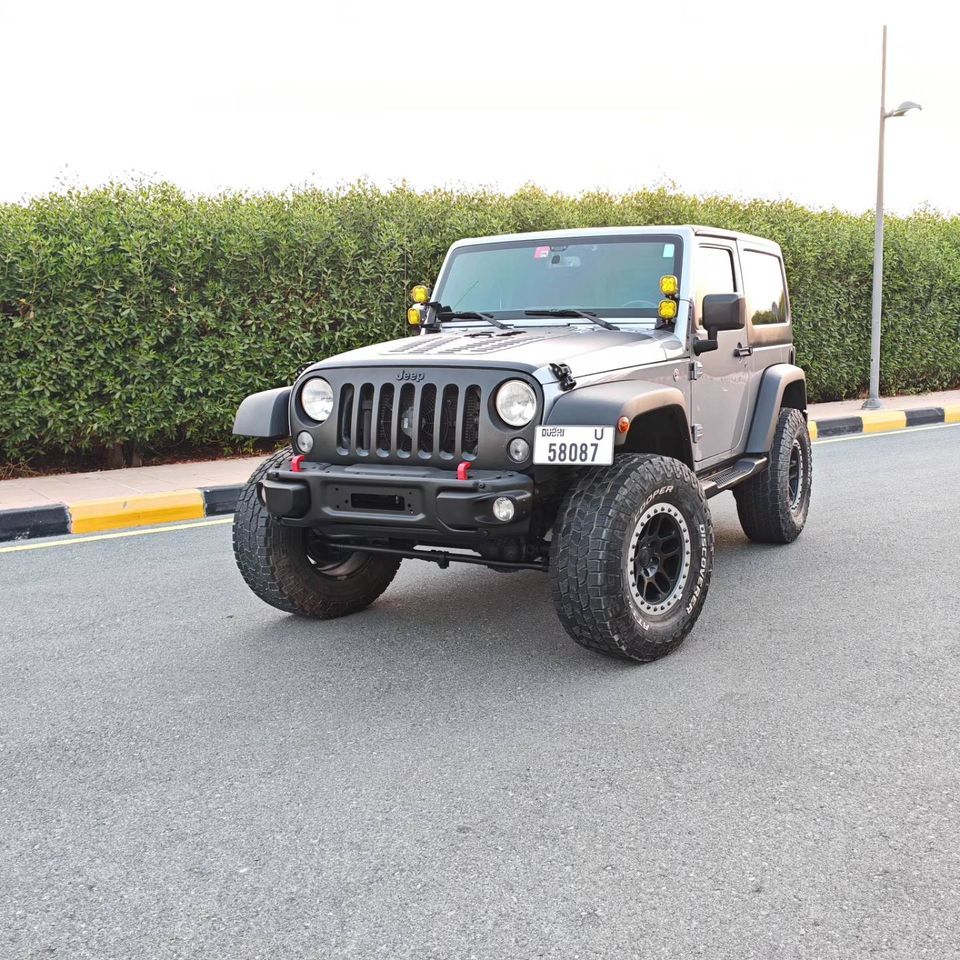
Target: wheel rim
x,y
329,560
658,560
796,475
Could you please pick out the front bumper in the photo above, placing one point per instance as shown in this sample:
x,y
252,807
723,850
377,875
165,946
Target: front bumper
x,y
419,503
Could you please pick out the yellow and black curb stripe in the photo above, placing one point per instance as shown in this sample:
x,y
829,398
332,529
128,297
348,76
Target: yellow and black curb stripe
x,y
882,421
116,513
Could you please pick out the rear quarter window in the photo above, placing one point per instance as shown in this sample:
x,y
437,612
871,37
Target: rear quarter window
x,y
764,286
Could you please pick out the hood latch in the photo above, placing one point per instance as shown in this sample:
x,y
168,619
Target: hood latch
x,y
562,372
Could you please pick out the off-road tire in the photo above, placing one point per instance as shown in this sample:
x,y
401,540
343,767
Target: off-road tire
x,y
593,574
275,563
771,508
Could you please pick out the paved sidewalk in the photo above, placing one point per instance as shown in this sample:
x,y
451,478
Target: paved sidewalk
x,y
134,481
847,408
131,481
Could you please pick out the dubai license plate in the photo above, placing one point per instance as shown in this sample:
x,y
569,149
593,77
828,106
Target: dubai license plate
x,y
576,446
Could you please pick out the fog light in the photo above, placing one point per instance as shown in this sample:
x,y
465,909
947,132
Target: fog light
x,y
667,310
304,442
669,286
503,509
518,449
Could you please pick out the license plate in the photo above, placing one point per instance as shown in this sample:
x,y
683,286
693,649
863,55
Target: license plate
x,y
573,445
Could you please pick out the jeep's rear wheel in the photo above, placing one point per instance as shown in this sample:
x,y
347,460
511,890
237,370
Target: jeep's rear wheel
x,y
773,505
296,569
631,557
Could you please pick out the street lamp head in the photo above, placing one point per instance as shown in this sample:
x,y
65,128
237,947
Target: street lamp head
x,y
904,108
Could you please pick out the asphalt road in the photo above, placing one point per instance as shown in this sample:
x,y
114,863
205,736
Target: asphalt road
x,y
186,772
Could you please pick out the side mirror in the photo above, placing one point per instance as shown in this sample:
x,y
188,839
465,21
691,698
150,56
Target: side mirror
x,y
723,311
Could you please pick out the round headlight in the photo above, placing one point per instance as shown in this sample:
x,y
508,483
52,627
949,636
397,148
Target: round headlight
x,y
316,398
516,403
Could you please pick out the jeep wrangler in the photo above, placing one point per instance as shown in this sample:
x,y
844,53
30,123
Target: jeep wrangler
x,y
569,403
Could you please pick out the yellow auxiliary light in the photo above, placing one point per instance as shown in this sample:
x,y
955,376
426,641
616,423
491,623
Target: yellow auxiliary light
x,y
413,316
669,285
667,310
420,293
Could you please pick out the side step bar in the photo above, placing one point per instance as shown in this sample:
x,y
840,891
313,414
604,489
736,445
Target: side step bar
x,y
729,477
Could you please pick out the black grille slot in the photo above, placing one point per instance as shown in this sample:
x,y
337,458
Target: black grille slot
x,y
405,424
428,409
345,418
471,421
447,444
385,418
365,419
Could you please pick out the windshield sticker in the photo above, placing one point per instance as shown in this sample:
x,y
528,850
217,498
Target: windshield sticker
x,y
667,250
540,252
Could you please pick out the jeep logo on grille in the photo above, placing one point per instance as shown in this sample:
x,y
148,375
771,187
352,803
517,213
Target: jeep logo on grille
x,y
411,375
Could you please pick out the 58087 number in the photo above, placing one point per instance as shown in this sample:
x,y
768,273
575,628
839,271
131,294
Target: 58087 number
x,y
572,452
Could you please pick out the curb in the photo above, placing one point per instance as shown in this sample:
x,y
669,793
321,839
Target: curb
x,y
884,421
114,513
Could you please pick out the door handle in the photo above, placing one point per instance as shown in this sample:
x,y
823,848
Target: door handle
x,y
743,351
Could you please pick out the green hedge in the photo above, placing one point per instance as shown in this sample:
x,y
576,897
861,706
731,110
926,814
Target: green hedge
x,y
144,316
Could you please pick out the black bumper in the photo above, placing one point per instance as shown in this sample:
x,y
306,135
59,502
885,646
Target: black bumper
x,y
419,503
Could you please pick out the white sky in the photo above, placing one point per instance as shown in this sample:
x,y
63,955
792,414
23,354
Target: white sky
x,y
715,97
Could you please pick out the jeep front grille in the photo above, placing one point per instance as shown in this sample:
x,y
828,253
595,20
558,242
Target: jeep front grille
x,y
421,421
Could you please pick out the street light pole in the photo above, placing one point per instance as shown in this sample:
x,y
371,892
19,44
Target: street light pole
x,y
873,402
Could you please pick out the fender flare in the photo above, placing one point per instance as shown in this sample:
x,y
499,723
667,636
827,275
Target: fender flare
x,y
603,404
773,385
265,414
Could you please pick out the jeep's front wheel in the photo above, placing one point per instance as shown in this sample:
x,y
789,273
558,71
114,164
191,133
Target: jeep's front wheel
x,y
631,557
295,569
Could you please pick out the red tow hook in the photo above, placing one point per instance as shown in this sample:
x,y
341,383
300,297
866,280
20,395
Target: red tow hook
x,y
463,468
295,463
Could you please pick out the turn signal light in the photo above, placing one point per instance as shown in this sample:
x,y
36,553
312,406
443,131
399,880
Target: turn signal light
x,y
667,310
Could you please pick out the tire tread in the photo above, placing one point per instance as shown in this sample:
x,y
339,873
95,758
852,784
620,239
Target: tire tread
x,y
264,554
586,554
762,506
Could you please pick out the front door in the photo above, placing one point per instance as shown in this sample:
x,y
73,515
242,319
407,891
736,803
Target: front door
x,y
720,394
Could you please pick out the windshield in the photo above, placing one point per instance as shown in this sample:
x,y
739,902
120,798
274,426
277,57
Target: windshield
x,y
609,276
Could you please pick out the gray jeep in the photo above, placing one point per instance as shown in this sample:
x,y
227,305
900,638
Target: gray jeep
x,y
569,404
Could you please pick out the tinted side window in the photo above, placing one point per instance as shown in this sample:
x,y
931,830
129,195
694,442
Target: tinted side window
x,y
714,273
765,289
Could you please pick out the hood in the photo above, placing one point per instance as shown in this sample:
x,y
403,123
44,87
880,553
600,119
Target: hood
x,y
531,349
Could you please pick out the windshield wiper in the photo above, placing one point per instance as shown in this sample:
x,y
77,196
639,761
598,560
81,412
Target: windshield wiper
x,y
446,314
572,312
